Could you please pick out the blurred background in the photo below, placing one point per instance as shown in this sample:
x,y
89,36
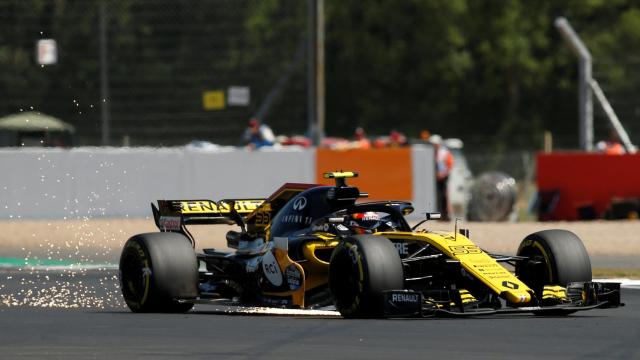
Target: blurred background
x,y
495,74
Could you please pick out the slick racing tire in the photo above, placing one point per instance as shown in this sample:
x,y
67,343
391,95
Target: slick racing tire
x,y
156,269
557,257
361,268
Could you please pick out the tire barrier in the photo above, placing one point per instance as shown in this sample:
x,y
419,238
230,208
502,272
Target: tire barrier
x,y
493,196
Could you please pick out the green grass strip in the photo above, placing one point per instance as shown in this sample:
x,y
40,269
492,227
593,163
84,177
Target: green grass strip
x,y
623,273
18,262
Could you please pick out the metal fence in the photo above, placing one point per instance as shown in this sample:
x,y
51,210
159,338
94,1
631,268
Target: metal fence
x,y
172,71
168,71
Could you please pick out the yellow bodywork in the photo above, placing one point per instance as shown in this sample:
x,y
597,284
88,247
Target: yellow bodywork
x,y
317,270
554,292
340,175
465,297
297,295
474,261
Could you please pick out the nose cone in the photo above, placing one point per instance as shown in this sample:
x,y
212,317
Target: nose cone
x,y
516,297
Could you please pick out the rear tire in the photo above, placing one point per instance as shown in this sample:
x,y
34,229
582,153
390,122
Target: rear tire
x,y
157,269
562,259
361,268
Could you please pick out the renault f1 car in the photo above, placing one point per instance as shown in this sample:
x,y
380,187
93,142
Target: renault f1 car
x,y
310,246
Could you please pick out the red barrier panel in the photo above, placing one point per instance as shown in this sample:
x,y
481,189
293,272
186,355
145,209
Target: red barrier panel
x,y
587,181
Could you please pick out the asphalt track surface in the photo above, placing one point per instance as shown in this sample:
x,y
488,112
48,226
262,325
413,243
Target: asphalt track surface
x,y
110,331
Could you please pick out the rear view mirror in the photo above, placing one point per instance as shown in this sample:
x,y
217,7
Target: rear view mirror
x,y
433,216
428,216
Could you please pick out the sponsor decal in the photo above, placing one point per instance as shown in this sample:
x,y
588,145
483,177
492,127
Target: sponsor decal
x,y
370,215
271,269
205,206
498,276
403,248
299,203
294,277
405,298
242,206
353,252
169,222
486,265
465,249
146,272
296,219
263,218
190,207
510,285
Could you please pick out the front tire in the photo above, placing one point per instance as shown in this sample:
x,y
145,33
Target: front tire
x,y
361,268
558,257
156,269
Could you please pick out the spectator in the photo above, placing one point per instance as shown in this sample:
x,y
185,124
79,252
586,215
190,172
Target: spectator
x,y
397,139
424,135
258,135
612,145
444,164
360,140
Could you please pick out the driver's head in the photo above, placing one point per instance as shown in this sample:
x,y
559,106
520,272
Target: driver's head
x,y
364,223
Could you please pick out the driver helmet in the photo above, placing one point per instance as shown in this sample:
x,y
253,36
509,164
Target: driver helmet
x,y
364,223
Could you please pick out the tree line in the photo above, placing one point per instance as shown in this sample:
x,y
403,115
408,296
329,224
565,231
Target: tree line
x,y
494,73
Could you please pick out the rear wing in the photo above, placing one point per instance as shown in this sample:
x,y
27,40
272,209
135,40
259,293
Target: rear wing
x,y
255,214
171,215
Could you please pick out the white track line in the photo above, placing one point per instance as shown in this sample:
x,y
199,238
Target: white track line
x,y
278,311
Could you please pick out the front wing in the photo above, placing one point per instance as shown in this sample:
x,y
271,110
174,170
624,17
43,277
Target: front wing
x,y
580,296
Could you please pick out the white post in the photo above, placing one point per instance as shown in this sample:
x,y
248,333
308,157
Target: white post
x,y
320,87
312,124
315,70
585,99
104,76
613,118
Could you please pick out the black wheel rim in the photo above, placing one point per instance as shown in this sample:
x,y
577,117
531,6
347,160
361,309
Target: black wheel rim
x,y
344,280
133,281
